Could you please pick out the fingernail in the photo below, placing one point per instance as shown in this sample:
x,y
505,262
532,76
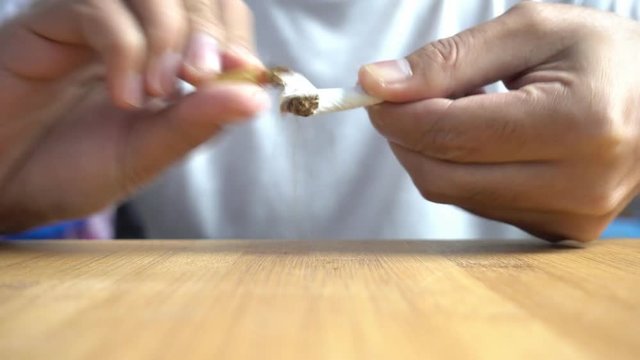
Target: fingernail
x,y
245,54
134,91
390,71
163,73
203,54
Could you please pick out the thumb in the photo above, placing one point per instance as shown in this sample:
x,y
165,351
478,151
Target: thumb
x,y
495,50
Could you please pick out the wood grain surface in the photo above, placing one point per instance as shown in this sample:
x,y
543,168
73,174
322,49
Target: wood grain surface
x,y
319,300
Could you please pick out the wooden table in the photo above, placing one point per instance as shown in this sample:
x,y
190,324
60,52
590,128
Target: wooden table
x,y
319,300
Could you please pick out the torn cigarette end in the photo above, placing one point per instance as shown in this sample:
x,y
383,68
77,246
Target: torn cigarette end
x,y
305,105
324,101
300,97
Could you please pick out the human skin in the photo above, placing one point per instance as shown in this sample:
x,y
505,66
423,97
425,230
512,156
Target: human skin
x,y
556,155
75,78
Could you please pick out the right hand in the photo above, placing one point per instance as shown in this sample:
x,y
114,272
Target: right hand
x,y
557,154
67,147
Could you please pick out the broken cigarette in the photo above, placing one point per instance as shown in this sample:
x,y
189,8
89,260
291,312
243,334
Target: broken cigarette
x,y
331,100
302,98
299,96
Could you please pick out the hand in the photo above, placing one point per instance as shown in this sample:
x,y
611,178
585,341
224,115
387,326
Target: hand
x,y
67,146
557,155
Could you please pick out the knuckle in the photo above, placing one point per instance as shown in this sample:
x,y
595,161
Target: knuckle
x,y
592,231
483,195
200,6
113,42
479,195
241,39
237,11
81,8
169,33
607,130
446,144
382,116
444,52
88,7
378,120
202,18
523,8
242,9
531,12
586,230
438,60
505,129
451,188
160,41
241,32
436,191
158,38
583,228
442,141
602,202
124,44
88,11
556,235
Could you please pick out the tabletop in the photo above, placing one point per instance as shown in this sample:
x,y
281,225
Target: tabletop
x,y
246,299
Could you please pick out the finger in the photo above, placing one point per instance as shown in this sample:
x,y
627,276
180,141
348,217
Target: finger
x,y
500,48
518,186
19,43
165,27
551,226
109,29
207,37
240,47
504,127
159,140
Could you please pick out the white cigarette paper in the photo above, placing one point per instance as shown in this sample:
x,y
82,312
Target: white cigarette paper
x,y
300,97
333,100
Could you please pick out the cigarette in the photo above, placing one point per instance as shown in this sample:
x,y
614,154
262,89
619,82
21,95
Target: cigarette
x,y
299,96
330,100
258,77
302,98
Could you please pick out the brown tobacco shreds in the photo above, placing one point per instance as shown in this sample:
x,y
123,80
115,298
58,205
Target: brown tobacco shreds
x,y
274,75
301,105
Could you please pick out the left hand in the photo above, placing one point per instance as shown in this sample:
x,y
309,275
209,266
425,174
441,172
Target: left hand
x,y
557,155
75,75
